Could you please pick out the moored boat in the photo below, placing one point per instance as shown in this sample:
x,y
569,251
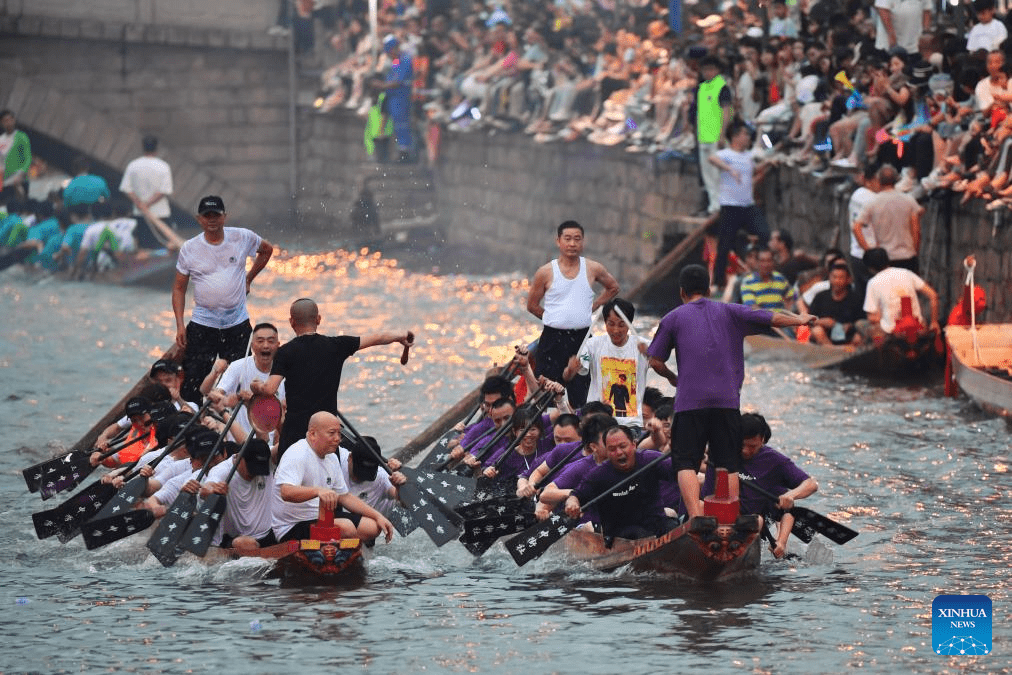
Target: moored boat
x,y
982,367
894,357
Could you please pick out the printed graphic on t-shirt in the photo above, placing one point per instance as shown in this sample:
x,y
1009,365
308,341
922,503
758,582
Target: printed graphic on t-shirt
x,y
618,385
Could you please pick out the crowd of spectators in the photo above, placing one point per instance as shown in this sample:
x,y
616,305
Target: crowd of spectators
x,y
827,85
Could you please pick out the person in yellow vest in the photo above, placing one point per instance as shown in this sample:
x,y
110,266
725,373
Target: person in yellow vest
x,y
713,115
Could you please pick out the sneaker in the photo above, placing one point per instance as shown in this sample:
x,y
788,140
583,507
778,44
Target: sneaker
x,y
278,31
844,163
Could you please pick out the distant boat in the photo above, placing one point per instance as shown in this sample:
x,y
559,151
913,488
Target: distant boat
x,y
983,367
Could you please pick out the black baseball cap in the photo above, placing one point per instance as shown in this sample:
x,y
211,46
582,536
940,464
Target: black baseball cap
x,y
200,442
258,458
138,405
169,428
365,464
211,204
165,366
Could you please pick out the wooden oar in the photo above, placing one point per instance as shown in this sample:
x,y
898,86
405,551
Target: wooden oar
x,y
806,522
37,474
535,540
429,509
164,542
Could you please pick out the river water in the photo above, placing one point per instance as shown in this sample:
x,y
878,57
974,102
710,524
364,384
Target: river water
x,y
923,478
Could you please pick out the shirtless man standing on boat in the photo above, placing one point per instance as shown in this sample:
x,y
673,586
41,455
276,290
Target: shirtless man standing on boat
x,y
562,296
707,337
309,476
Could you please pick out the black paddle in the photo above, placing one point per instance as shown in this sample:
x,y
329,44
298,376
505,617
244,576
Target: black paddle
x,y
101,532
198,536
53,470
134,484
164,542
265,417
808,523
75,471
423,504
535,540
65,520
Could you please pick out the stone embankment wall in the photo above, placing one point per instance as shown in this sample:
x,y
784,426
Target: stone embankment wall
x,y
508,193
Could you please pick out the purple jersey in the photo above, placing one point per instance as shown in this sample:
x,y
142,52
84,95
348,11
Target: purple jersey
x,y
769,469
474,432
519,465
707,338
558,454
571,477
636,505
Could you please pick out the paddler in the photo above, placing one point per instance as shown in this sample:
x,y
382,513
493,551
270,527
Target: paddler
x,y
636,510
247,523
592,429
199,443
309,476
492,389
708,338
140,438
774,472
364,479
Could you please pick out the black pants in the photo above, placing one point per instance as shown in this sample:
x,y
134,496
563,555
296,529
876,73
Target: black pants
x,y
732,219
204,345
555,346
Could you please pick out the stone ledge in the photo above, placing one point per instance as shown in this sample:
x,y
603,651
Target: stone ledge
x,y
213,38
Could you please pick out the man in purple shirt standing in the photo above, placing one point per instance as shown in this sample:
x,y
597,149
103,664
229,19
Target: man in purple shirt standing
x,y
707,337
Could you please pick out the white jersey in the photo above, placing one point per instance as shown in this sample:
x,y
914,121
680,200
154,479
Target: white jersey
x,y
618,375
237,377
858,200
249,503
171,488
145,177
375,493
301,466
218,276
166,469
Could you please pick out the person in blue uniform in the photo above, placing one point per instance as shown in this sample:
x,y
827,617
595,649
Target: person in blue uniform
x,y
397,102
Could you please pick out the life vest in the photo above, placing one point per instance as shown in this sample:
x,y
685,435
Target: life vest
x,y
141,443
708,112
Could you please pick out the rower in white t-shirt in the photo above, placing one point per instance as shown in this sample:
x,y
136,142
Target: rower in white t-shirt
x,y
247,523
364,479
309,476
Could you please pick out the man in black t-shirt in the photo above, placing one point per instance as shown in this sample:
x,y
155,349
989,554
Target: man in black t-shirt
x,y
838,309
311,366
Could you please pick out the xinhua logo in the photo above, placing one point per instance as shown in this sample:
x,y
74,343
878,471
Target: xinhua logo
x,y
961,625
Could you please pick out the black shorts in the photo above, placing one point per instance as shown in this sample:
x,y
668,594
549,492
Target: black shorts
x,y
263,542
693,429
301,530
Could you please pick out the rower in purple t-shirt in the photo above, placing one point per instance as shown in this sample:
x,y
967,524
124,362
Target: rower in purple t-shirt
x,y
492,389
572,475
772,471
707,337
635,510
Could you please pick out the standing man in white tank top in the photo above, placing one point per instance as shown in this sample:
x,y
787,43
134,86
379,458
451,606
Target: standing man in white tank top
x,y
562,296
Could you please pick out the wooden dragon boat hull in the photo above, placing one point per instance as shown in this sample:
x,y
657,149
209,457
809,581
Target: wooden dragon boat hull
x,y
305,562
712,555
895,357
970,366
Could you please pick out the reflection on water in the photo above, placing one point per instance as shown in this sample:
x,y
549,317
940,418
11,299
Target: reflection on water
x,y
922,477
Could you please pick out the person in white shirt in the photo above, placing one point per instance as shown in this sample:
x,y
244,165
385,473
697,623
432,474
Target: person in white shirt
x,y
216,263
309,477
988,33
237,376
899,23
616,364
886,289
364,479
247,523
147,181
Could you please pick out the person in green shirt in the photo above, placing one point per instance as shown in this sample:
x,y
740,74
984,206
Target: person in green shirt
x,y
714,111
16,154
